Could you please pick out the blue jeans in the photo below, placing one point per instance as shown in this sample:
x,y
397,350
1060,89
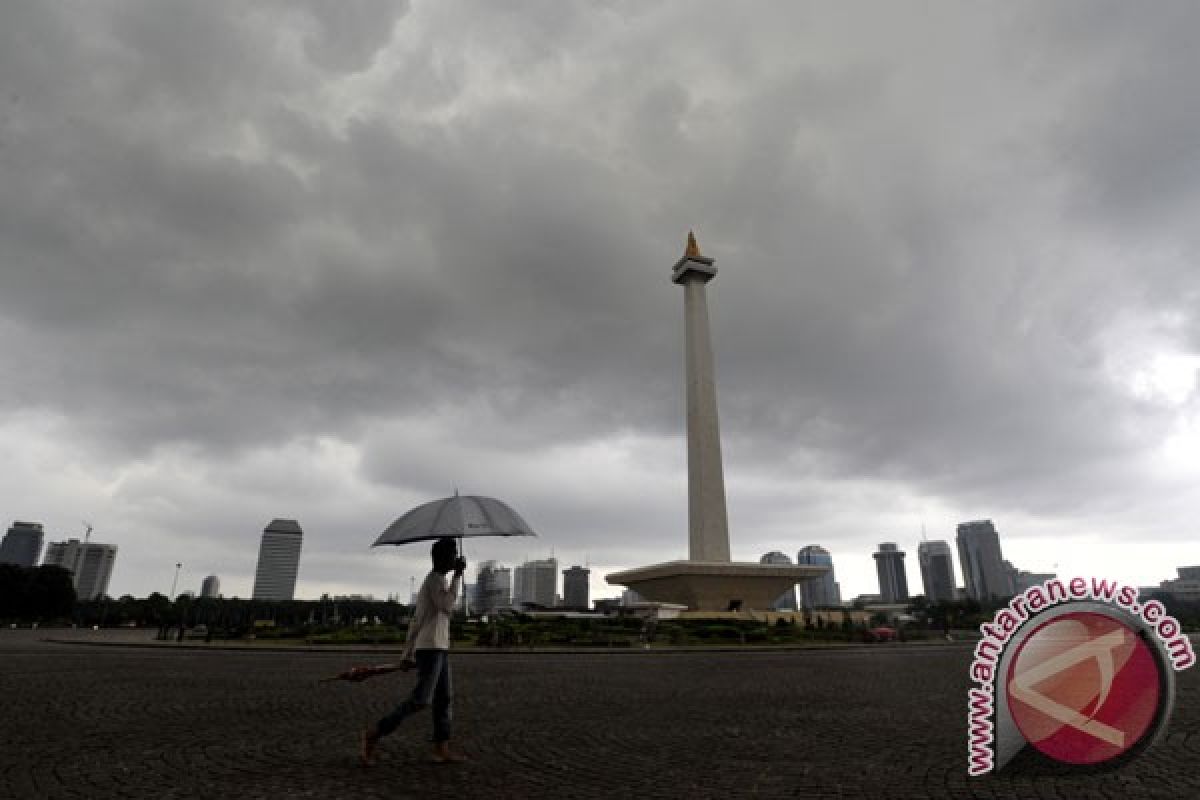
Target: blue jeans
x,y
433,688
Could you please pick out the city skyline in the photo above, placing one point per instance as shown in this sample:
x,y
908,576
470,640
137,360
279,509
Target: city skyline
x,y
335,279
1010,577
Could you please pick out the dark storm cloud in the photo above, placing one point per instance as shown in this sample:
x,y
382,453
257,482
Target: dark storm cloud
x,y
441,236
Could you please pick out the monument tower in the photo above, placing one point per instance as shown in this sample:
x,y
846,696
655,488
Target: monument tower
x,y
708,524
708,580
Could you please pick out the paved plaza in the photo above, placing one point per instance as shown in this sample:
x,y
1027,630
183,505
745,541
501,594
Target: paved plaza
x,y
80,721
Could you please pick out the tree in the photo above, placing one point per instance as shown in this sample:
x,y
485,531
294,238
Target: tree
x,y
35,593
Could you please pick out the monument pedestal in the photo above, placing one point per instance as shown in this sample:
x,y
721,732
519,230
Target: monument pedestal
x,y
715,585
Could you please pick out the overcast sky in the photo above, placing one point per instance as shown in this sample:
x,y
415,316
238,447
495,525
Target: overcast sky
x,y
328,261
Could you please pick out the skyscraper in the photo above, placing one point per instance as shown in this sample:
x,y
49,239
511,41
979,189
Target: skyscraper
x,y
493,589
536,582
982,562
575,587
893,582
211,587
822,592
90,565
787,600
937,571
278,561
22,544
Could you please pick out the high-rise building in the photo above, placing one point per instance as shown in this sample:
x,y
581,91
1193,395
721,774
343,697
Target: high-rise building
x,y
823,591
469,596
1027,580
278,561
1185,588
536,582
937,571
576,592
787,600
493,588
90,565
984,574
22,544
893,582
210,587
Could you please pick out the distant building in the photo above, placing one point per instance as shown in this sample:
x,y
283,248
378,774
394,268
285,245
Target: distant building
x,y
210,587
822,592
22,544
90,564
631,598
470,596
576,588
982,561
937,571
787,600
1185,588
536,582
609,605
1027,580
889,565
493,588
278,561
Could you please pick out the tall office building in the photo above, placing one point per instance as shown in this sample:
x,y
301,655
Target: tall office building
x,y
278,561
822,592
90,565
1027,580
937,571
984,574
211,587
536,582
493,588
1185,588
787,600
576,592
893,582
22,544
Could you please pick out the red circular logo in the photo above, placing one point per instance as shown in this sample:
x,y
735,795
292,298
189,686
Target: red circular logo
x,y
1083,688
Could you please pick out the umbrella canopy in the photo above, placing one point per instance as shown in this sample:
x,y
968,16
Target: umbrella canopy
x,y
458,517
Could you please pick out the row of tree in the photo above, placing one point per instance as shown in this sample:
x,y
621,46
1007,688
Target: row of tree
x,y
31,594
234,614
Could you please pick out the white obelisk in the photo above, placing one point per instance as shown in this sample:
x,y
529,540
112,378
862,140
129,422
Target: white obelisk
x,y
708,581
708,524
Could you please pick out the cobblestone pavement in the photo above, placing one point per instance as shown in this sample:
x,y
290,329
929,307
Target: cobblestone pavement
x,y
99,722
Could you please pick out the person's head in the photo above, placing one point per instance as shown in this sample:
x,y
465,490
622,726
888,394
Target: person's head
x,y
444,551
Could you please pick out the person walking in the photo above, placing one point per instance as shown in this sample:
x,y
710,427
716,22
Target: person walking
x,y
427,647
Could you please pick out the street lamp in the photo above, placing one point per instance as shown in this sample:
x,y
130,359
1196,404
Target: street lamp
x,y
175,581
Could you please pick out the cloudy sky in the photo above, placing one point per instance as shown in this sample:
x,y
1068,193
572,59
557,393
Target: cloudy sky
x,y
331,260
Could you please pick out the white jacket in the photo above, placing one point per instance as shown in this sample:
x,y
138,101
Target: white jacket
x,y
430,625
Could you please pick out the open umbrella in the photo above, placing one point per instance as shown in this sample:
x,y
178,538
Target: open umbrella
x,y
458,517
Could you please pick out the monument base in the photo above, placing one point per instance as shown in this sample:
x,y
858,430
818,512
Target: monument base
x,y
715,585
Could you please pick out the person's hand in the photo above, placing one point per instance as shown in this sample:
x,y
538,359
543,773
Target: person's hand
x,y
407,664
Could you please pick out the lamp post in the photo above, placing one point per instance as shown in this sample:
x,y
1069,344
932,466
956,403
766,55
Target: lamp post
x,y
175,581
